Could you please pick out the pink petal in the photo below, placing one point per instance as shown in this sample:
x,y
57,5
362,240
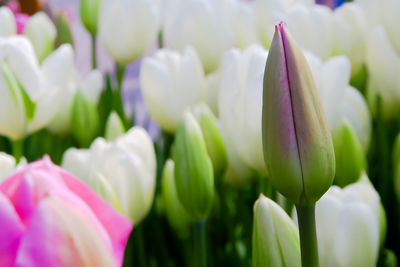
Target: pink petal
x,y
64,232
11,230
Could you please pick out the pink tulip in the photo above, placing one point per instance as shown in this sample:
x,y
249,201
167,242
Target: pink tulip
x,y
20,18
49,218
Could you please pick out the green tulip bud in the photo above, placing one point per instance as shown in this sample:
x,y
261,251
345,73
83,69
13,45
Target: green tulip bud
x,y
193,168
64,35
297,142
114,127
275,236
350,161
212,136
89,11
84,120
177,216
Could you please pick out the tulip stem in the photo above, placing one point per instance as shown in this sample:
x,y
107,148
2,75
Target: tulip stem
x,y
18,149
94,54
118,99
199,245
308,235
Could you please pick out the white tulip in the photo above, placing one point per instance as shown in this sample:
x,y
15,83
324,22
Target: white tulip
x,y
122,171
275,236
312,27
42,33
171,82
63,77
128,28
240,102
114,127
245,25
339,99
7,165
383,60
269,13
349,34
27,103
8,26
204,24
348,225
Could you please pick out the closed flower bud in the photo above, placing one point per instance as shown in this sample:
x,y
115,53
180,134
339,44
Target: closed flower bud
x,y
297,143
42,33
8,26
349,155
177,216
85,120
213,138
89,11
275,236
114,127
193,168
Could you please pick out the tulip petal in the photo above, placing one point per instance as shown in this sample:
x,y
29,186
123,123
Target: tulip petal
x,y
11,231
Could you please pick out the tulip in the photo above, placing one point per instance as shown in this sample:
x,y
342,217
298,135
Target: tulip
x,y
349,34
49,218
177,216
213,138
84,120
240,103
170,83
127,28
275,236
194,177
64,78
384,83
312,27
341,101
64,34
114,127
7,22
27,103
42,33
89,11
268,13
348,225
297,143
245,27
8,166
123,171
203,24
350,160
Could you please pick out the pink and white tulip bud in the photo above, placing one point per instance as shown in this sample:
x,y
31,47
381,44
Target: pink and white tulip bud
x,y
50,218
297,142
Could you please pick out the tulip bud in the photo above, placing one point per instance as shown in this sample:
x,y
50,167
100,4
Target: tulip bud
x,y
84,120
114,127
89,11
275,236
193,168
212,136
64,35
8,26
42,33
348,154
297,143
177,216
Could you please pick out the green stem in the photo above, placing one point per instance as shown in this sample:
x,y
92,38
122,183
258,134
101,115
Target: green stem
x,y
94,55
18,149
199,245
140,247
308,235
118,99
